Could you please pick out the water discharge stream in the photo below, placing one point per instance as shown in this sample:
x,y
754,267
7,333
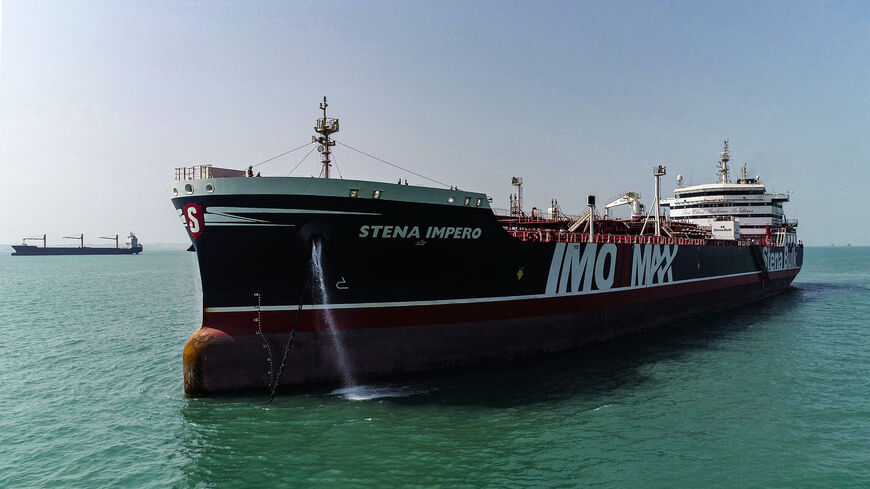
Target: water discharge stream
x,y
322,295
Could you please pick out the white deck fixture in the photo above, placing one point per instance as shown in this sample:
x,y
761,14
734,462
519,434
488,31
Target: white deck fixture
x,y
658,172
726,228
517,201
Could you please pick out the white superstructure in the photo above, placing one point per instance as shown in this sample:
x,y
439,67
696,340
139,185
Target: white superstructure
x,y
745,201
132,241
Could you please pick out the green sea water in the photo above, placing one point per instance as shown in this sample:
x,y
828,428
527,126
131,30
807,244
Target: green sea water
x,y
775,395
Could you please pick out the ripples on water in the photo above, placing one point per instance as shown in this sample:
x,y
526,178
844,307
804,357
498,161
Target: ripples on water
x,y
774,395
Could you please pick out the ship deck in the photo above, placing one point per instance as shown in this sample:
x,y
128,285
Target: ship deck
x,y
619,231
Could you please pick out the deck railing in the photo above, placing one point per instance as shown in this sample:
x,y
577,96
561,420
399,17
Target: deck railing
x,y
195,172
565,237
206,171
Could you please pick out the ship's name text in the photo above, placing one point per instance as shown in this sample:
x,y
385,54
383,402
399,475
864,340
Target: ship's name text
x,y
445,232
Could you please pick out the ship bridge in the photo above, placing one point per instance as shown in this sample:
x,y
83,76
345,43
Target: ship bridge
x,y
747,201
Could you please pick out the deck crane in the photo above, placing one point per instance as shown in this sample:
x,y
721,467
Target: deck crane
x,y
25,240
115,237
81,238
628,198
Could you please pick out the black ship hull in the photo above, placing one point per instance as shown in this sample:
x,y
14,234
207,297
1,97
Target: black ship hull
x,y
44,251
426,280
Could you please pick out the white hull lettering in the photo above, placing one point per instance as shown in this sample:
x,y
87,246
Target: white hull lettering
x,y
602,266
776,259
413,232
581,268
193,218
651,264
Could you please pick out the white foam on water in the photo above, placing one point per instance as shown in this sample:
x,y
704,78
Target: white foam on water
x,y
369,392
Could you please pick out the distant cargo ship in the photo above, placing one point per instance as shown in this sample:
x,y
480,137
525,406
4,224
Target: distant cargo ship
x,y
132,247
381,279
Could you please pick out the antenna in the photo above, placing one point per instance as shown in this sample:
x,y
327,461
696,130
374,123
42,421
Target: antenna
x,y
325,127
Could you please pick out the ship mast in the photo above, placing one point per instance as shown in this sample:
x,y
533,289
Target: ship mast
x,y
723,164
658,172
325,127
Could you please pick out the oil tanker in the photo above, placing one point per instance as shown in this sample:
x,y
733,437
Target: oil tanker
x,y
132,247
320,280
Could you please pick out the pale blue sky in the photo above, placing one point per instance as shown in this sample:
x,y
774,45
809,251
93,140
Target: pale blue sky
x,y
99,101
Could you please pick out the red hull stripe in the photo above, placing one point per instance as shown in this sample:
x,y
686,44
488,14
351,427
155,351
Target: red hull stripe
x,y
235,323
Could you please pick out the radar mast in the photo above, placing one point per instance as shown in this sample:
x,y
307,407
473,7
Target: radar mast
x,y
723,163
325,127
